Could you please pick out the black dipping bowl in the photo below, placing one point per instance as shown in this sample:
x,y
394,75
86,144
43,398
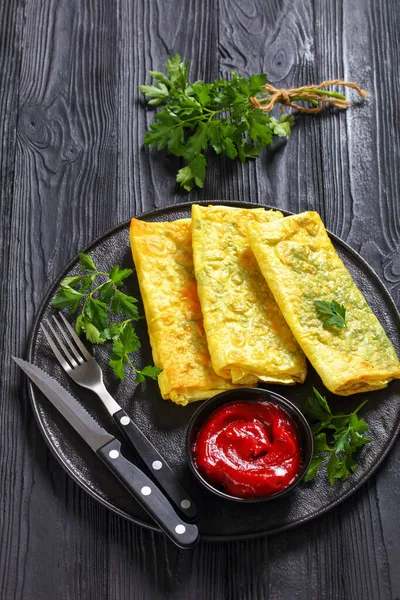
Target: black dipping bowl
x,y
250,394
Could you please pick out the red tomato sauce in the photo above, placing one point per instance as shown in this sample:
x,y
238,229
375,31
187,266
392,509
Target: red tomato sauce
x,y
248,449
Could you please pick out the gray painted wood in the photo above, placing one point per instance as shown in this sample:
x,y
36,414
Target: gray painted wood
x,y
72,166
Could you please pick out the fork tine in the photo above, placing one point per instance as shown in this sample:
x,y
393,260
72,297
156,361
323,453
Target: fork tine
x,y
76,339
72,355
65,338
56,351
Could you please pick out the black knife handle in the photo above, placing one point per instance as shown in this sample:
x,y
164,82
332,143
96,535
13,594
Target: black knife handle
x,y
156,465
183,534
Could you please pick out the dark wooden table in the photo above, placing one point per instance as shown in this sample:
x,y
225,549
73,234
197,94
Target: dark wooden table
x,y
73,165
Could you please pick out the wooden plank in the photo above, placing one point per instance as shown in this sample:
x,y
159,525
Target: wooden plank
x,y
64,188
14,417
361,186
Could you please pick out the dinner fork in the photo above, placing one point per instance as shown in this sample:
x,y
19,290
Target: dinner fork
x,y
80,365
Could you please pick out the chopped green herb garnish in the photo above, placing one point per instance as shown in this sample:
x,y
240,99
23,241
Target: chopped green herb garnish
x,y
98,298
337,438
332,313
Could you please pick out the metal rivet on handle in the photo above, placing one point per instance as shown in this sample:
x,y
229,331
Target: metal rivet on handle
x,y
125,420
157,465
185,503
113,454
146,491
180,529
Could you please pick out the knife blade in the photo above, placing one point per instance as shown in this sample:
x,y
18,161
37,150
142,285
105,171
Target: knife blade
x,y
108,448
71,410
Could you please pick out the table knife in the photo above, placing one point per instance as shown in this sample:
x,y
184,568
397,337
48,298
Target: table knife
x,y
108,448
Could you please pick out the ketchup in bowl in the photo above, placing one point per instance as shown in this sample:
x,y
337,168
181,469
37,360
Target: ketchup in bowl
x,y
248,449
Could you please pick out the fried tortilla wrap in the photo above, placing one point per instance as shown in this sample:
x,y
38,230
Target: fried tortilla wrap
x,y
301,266
162,253
247,336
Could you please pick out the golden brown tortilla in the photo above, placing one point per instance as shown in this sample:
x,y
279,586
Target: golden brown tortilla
x,y
301,266
162,253
247,336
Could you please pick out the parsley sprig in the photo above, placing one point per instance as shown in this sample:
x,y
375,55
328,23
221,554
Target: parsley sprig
x,y
100,302
199,115
332,313
336,438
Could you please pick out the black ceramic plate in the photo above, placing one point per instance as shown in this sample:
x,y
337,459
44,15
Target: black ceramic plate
x,y
165,423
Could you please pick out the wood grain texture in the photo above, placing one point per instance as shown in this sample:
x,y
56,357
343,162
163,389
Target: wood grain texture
x,y
72,165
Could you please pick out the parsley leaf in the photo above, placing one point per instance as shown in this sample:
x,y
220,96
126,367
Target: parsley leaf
x,y
100,302
320,443
118,275
197,142
87,282
149,371
125,304
106,291
72,281
97,312
86,262
67,297
283,126
335,311
178,71
124,344
198,169
93,334
193,174
316,408
343,435
157,95
313,468
117,365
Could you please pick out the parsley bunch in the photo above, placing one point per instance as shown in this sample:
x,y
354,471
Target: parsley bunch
x,y
346,436
98,298
200,115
